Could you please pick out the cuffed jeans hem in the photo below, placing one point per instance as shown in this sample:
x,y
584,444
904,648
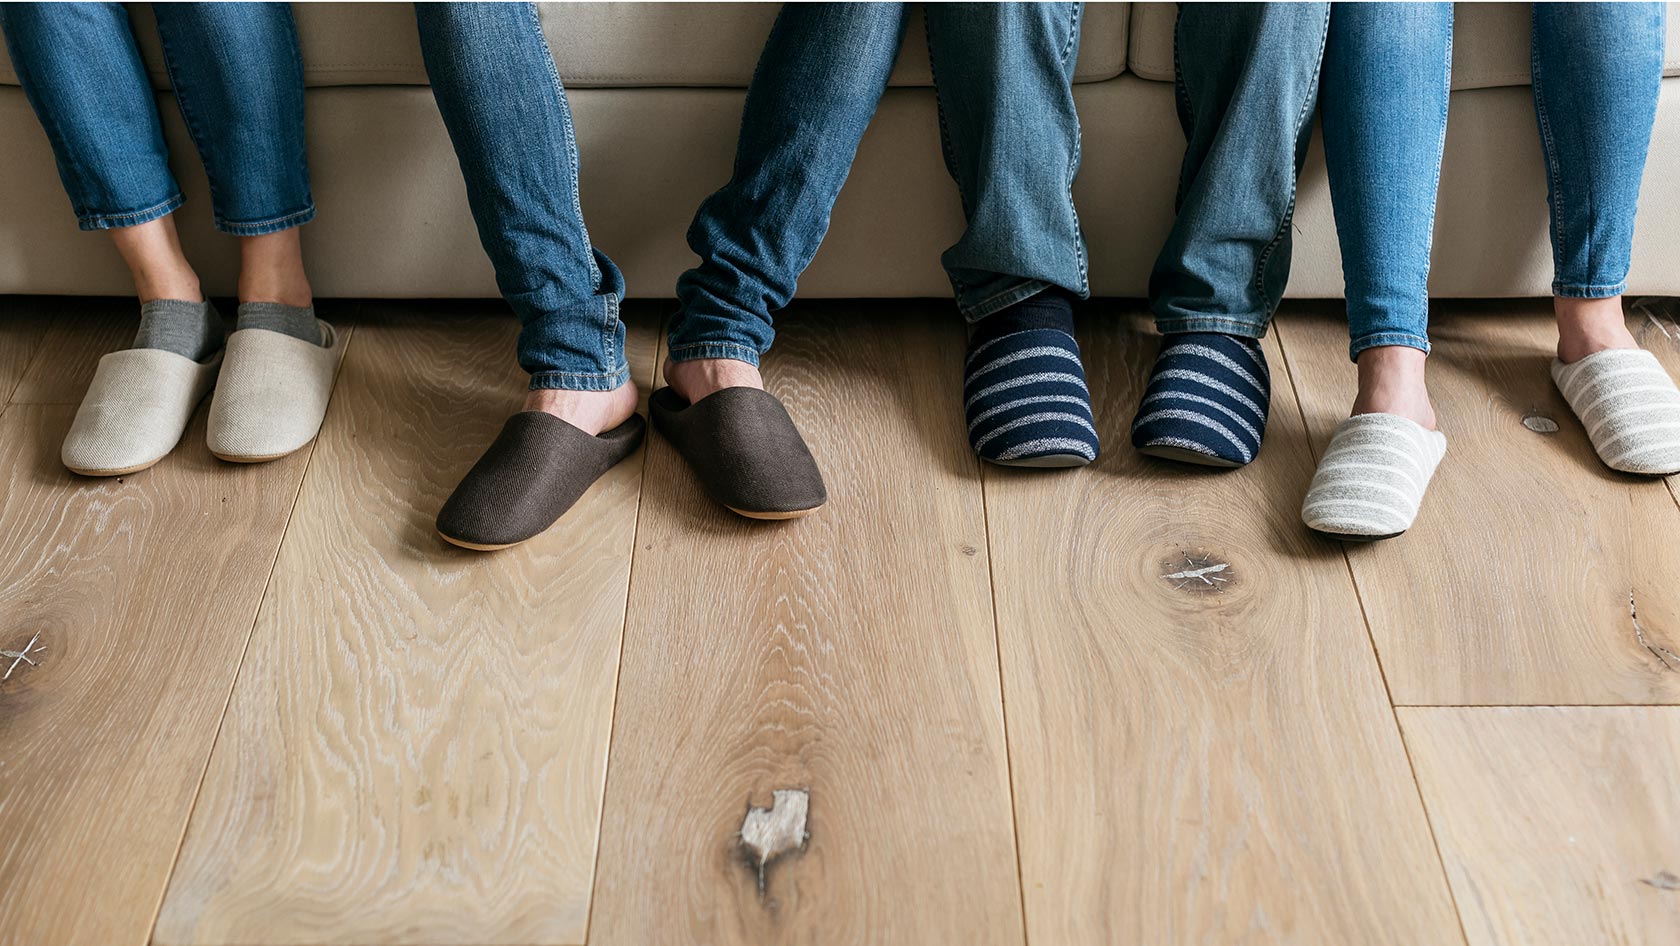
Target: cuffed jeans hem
x,y
574,381
1382,339
696,350
1569,291
134,219
998,301
271,225
1223,324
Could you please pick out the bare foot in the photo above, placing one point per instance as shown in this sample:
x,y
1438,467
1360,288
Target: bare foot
x,y
693,380
1589,326
589,411
1391,382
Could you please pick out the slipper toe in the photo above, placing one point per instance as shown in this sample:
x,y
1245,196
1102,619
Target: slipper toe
x,y
745,449
273,394
136,409
536,469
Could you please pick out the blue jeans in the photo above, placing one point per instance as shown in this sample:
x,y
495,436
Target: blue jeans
x,y
1003,73
237,78
1596,68
502,101
1247,83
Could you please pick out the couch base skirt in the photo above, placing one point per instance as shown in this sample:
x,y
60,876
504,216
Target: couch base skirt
x,y
394,222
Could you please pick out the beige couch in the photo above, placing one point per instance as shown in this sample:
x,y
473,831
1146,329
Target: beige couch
x,y
657,92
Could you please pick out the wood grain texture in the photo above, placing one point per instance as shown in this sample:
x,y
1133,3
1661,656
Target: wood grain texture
x,y
1559,825
82,329
23,324
1514,585
1201,754
1655,324
143,590
849,654
416,748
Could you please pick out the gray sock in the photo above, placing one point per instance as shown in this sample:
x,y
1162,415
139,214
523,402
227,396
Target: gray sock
x,y
296,321
191,329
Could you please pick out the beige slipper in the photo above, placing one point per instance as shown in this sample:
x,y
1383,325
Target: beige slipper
x,y
136,409
272,395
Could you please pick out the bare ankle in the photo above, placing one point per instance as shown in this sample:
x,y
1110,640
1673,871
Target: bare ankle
x,y
699,377
271,269
160,269
1391,381
1589,326
589,411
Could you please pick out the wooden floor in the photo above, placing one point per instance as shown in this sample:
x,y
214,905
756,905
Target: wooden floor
x,y
1135,703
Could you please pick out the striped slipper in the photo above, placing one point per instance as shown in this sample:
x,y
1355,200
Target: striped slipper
x,y
1025,396
1206,401
1372,478
1630,407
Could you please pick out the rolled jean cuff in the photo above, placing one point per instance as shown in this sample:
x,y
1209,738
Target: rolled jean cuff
x,y
131,219
696,350
1576,291
271,225
999,300
1382,339
580,381
1251,327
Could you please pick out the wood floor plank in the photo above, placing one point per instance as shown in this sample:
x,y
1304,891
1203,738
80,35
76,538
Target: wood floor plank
x,y
24,321
416,749
1519,581
846,660
1559,825
82,329
1655,323
142,590
1201,745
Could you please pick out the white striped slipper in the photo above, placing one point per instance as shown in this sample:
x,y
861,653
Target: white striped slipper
x,y
1630,407
1372,478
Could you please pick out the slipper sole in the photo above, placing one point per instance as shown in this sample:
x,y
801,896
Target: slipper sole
x,y
1188,456
124,471
1054,461
774,516
476,547
236,458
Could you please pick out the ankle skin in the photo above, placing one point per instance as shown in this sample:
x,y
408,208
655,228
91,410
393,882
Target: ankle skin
x,y
1391,381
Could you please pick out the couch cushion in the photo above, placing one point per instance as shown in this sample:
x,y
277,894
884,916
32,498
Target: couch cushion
x,y
1490,43
599,44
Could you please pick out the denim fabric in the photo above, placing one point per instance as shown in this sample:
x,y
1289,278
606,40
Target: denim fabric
x,y
1011,139
506,112
1597,68
1383,104
1247,77
237,77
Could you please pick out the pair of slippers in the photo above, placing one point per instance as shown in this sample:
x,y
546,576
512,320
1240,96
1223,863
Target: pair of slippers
x,y
271,396
1373,475
740,442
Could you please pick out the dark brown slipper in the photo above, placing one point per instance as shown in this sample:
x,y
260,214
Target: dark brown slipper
x,y
535,470
745,449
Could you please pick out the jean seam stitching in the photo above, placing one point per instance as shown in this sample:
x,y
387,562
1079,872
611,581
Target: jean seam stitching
x,y
571,138
176,200
1549,146
1261,265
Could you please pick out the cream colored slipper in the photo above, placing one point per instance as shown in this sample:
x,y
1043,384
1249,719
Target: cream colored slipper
x,y
136,409
273,394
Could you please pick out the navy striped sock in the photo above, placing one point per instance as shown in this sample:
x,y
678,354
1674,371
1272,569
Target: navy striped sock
x,y
1024,387
1206,401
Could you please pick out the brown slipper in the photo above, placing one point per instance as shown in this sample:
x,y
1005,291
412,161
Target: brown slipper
x,y
535,470
745,449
